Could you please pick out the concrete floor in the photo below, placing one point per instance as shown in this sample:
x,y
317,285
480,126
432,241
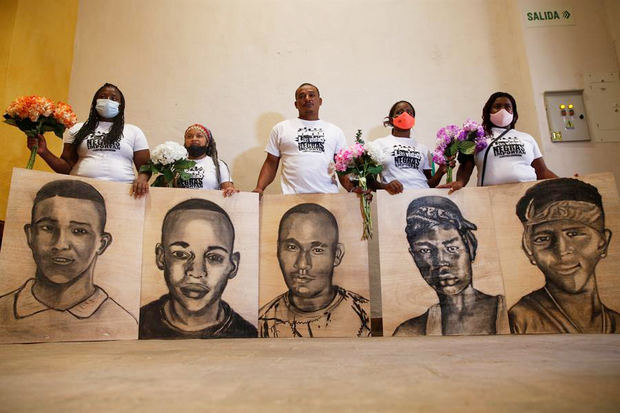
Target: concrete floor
x,y
534,373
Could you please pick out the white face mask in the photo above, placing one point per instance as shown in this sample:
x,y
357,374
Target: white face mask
x,y
107,108
501,118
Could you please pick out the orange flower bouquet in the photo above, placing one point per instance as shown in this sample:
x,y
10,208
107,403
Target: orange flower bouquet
x,y
35,115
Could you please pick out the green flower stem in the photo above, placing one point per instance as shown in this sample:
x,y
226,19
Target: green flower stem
x,y
33,156
449,178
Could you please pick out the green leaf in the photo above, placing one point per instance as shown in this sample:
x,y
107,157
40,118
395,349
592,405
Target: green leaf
x,y
168,175
10,121
452,149
467,147
159,181
375,170
184,176
184,164
145,168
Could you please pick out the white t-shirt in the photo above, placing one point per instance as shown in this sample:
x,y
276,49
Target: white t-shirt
x,y
510,158
305,149
203,175
406,161
110,161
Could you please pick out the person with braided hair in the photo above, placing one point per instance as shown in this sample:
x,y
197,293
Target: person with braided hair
x,y
210,172
104,147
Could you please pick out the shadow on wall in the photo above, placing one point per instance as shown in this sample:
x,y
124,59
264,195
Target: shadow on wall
x,y
247,165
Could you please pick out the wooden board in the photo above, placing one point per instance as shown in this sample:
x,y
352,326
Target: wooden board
x,y
240,291
348,315
522,278
405,293
67,240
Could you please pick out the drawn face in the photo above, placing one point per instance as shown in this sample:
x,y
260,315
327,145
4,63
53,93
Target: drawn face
x,y
566,252
443,260
308,251
196,256
65,237
195,137
307,101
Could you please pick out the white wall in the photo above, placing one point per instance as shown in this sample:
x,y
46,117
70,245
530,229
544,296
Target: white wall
x,y
558,58
234,65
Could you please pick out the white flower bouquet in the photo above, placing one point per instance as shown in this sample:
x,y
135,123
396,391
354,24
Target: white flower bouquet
x,y
169,162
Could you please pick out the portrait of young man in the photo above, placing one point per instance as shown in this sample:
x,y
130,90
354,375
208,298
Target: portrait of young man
x,y
443,246
198,258
565,236
66,235
308,251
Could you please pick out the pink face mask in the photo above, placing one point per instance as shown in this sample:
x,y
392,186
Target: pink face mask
x,y
501,118
404,121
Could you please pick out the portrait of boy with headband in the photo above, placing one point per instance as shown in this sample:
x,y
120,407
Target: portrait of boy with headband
x,y
564,235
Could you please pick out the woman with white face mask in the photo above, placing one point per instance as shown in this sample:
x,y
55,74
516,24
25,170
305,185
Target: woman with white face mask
x,y
510,156
104,147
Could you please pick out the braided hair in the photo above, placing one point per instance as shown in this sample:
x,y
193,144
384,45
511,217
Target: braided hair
x,y
93,120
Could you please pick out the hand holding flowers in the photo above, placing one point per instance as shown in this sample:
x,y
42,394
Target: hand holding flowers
x,y
361,161
452,140
35,115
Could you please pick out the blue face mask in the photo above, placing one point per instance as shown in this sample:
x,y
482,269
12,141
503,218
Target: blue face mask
x,y
107,108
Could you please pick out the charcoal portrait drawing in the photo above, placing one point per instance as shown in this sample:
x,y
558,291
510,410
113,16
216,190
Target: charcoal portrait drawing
x,y
197,256
564,235
308,251
443,246
66,235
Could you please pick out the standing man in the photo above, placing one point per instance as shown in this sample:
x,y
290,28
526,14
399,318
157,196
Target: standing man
x,y
307,146
313,306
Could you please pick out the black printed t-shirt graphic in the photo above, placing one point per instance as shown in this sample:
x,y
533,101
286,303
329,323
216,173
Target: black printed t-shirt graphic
x,y
406,157
196,180
508,147
310,140
98,142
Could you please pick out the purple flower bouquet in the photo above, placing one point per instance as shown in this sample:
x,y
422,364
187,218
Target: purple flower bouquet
x,y
451,140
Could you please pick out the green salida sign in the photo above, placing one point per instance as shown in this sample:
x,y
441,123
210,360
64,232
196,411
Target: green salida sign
x,y
562,16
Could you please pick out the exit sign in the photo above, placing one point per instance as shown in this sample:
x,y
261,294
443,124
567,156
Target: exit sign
x,y
549,14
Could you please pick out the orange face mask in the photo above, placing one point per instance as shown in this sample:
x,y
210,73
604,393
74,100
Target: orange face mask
x,y
404,121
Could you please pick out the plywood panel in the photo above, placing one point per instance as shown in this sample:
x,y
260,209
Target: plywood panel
x,y
240,292
521,277
67,241
405,293
312,243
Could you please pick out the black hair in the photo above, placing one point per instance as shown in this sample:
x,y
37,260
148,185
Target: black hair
x,y
199,204
212,153
427,212
486,111
307,84
388,119
309,208
116,131
70,188
561,189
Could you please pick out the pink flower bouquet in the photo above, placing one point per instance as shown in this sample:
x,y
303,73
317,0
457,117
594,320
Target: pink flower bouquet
x,y
35,115
451,140
361,161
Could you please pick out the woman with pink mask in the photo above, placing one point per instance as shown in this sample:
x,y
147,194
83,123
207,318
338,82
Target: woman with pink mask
x,y
510,156
406,164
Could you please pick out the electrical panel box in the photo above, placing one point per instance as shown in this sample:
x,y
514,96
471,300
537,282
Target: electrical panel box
x,y
566,115
602,95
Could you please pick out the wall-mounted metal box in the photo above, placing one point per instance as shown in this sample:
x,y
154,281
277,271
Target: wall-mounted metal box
x,y
566,115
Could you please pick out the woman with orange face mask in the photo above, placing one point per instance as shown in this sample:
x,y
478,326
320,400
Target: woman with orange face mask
x,y
407,163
